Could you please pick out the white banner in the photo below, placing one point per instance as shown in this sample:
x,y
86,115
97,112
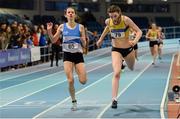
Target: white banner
x,y
35,54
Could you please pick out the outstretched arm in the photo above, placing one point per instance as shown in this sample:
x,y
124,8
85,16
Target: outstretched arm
x,y
83,36
147,35
135,28
52,37
105,32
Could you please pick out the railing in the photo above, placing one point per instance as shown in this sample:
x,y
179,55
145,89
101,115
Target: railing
x,y
170,33
45,52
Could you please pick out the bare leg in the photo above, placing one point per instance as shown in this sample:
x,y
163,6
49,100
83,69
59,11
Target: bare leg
x,y
80,70
116,64
160,51
155,52
136,54
130,60
68,68
152,53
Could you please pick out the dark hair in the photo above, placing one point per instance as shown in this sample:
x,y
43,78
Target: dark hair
x,y
114,8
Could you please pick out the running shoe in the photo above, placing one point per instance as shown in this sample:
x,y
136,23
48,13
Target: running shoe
x,y
123,66
74,105
114,104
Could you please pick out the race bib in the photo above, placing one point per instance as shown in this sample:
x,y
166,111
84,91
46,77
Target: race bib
x,y
71,46
118,35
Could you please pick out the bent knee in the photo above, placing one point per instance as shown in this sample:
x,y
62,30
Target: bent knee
x,y
131,68
70,81
83,81
117,75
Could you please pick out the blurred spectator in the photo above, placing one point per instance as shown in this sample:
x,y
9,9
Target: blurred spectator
x,y
8,36
92,43
3,26
101,21
26,17
14,26
35,36
39,31
3,36
29,41
15,39
56,48
43,40
2,40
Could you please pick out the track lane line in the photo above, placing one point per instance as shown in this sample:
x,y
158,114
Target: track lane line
x,y
80,91
104,110
51,86
47,76
165,91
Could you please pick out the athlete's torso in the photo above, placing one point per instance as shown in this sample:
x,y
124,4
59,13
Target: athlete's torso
x,y
71,39
153,34
119,33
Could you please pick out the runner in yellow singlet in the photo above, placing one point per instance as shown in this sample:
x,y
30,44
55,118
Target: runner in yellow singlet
x,y
122,47
153,35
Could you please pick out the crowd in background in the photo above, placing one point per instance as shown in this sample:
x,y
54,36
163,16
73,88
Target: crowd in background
x,y
17,35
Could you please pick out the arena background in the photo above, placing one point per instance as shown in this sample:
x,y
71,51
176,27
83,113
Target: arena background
x,y
31,88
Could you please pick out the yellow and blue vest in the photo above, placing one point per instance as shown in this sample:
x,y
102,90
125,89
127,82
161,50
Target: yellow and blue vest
x,y
120,30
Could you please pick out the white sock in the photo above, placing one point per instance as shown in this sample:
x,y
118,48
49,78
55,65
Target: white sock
x,y
114,99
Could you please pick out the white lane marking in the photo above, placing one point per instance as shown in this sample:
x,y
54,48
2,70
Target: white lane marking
x,y
25,74
104,110
43,69
80,91
178,59
50,86
45,76
47,110
165,91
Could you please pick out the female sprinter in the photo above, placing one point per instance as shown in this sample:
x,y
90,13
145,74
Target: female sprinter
x,y
160,42
152,36
122,47
73,36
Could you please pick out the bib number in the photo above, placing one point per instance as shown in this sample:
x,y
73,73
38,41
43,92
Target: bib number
x,y
72,46
118,35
